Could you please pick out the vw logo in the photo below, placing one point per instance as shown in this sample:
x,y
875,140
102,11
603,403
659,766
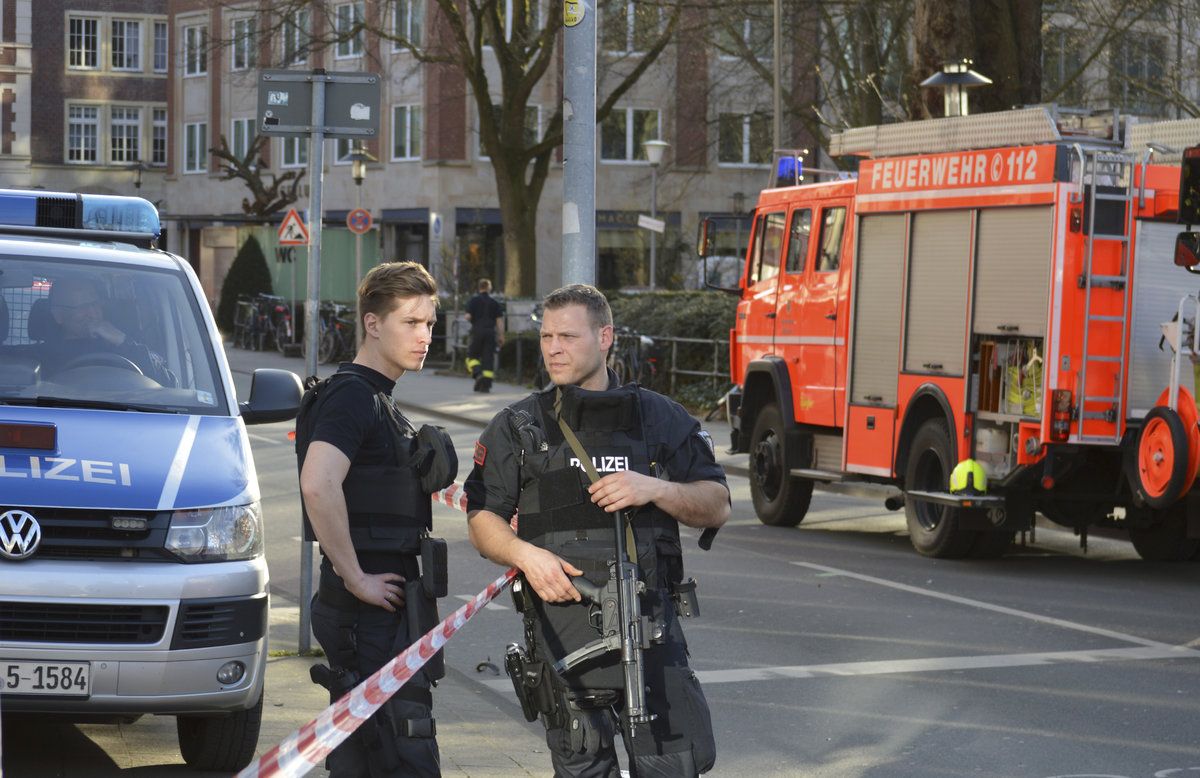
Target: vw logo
x,y
20,535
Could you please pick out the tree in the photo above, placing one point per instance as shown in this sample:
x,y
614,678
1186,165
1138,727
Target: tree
x,y
282,191
477,39
248,275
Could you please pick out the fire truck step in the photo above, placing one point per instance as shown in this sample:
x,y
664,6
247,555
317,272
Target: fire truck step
x,y
1120,198
1098,317
817,475
1102,358
958,500
1109,236
1116,282
1099,399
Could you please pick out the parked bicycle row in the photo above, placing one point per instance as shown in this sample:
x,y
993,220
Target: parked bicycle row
x,y
265,321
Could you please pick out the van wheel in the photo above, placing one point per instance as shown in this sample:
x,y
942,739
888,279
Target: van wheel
x,y
1166,541
220,743
935,530
779,499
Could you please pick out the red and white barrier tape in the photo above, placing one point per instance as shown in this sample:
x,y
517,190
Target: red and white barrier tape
x,y
308,746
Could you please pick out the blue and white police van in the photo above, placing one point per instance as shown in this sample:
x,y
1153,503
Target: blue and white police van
x,y
132,575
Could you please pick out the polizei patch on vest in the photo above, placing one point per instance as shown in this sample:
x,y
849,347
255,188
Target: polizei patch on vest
x,y
480,453
605,464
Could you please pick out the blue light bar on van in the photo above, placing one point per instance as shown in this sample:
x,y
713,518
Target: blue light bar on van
x,y
65,211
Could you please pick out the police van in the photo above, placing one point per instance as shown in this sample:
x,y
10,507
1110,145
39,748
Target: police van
x,y
132,575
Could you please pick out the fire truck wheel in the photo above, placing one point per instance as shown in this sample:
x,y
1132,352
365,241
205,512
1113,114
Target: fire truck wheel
x,y
1162,458
1166,541
935,530
779,499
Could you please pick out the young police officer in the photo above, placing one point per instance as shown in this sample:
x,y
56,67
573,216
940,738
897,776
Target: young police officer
x,y
654,461
487,333
365,479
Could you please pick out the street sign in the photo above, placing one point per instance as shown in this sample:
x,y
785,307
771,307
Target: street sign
x,y
285,103
292,231
359,220
648,223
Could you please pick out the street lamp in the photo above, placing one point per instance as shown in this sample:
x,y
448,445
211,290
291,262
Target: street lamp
x,y
359,157
654,154
138,168
956,78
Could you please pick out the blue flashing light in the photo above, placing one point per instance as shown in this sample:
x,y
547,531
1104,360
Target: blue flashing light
x,y
789,171
61,210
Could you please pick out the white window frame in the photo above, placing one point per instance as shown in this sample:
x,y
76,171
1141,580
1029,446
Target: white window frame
x,y
297,145
631,153
94,122
96,36
243,54
745,161
535,22
195,56
163,54
409,110
296,50
483,155
195,133
342,149
403,23
748,40
246,127
132,154
132,54
158,131
351,48
630,7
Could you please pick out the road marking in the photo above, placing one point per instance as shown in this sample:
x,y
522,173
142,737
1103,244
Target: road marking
x,y
491,606
1050,620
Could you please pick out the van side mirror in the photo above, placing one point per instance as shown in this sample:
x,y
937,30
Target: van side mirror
x,y
1187,250
702,238
704,241
1189,188
274,396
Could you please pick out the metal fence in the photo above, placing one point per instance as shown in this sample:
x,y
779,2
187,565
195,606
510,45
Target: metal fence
x,y
716,374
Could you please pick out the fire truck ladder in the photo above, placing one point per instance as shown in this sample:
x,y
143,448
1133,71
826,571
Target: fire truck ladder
x,y
1100,168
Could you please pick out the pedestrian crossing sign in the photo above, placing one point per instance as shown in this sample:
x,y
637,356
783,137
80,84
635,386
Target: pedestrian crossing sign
x,y
292,231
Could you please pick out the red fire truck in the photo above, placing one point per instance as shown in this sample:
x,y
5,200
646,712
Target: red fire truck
x,y
996,287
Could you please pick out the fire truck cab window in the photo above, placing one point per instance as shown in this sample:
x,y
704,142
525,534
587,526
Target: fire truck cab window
x,y
768,247
832,227
798,241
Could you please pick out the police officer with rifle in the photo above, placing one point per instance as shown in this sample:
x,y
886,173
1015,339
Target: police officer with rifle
x,y
365,478
600,477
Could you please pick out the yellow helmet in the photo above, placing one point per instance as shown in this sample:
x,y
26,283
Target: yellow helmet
x,y
968,476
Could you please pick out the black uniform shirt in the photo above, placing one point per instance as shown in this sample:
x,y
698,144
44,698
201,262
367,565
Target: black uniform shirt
x,y
353,421
484,311
673,439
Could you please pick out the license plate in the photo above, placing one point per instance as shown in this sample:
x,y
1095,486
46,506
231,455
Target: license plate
x,y
61,678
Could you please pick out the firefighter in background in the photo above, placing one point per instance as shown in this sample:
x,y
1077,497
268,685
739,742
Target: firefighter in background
x,y
656,463
487,335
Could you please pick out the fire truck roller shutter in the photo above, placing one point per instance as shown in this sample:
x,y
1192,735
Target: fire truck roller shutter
x,y
936,315
876,339
1013,270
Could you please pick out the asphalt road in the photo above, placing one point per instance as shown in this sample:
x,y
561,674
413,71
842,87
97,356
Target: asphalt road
x,y
833,649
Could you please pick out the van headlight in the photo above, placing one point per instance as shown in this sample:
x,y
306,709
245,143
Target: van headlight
x,y
216,534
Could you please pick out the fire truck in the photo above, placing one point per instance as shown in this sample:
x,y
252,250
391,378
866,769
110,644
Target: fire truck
x,y
1011,289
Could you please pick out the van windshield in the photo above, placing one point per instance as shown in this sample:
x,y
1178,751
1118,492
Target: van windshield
x,y
104,336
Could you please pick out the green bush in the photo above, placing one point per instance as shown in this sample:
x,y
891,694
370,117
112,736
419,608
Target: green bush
x,y
248,275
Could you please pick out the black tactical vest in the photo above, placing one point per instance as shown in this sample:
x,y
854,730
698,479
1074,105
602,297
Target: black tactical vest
x,y
555,512
387,508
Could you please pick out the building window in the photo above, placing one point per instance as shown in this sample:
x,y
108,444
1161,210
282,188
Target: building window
x,y
242,135
126,45
408,22
342,151
195,50
1136,75
751,34
533,127
296,41
526,23
244,44
744,139
349,30
158,137
160,47
83,133
629,27
295,152
195,147
406,132
125,130
83,43
624,131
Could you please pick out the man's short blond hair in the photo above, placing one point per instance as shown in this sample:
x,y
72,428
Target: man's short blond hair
x,y
591,298
386,285
484,285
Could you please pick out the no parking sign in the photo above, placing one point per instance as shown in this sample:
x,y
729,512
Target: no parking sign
x,y
359,220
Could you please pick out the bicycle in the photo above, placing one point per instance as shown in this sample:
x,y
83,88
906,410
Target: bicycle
x,y
631,357
336,337
243,321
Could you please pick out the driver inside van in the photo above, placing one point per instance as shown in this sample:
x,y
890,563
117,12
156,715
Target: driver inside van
x,y
83,336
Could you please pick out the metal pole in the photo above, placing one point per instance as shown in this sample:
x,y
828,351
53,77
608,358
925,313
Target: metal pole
x,y
777,69
579,143
317,163
358,274
653,214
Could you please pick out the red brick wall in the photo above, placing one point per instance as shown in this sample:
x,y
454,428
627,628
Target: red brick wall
x,y
691,91
445,96
7,119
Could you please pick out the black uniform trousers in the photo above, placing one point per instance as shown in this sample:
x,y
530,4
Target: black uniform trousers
x,y
363,638
481,356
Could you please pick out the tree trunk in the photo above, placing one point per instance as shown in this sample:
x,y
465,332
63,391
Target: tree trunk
x,y
943,32
520,237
